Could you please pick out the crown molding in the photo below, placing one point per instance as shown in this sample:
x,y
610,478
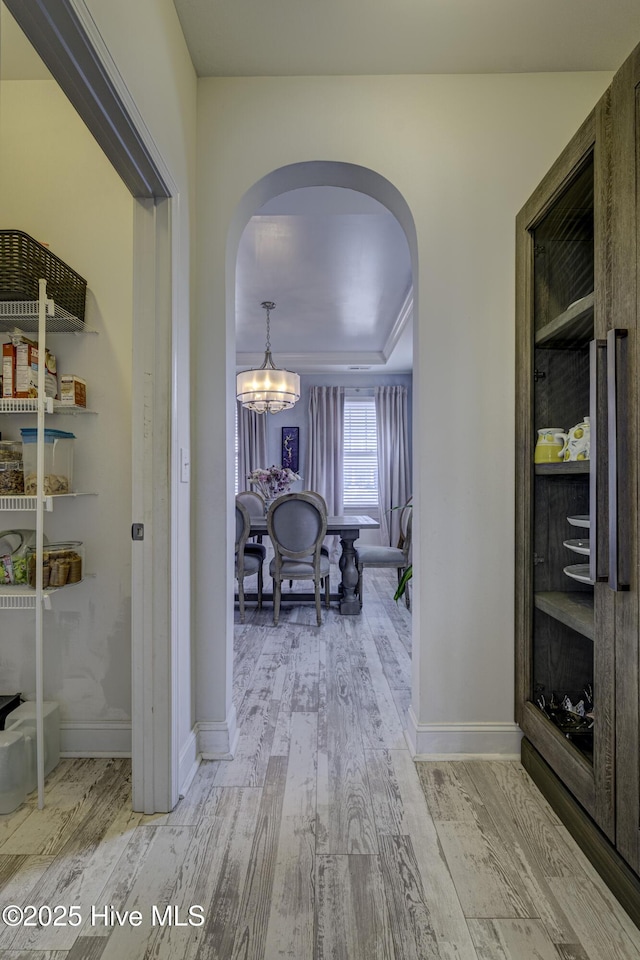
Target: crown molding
x,y
295,361
405,314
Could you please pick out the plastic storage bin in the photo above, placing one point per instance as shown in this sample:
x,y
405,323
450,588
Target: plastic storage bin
x,y
25,716
28,731
62,564
13,770
58,460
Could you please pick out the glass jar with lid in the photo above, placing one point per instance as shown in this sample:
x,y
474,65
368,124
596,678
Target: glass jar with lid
x,y
11,468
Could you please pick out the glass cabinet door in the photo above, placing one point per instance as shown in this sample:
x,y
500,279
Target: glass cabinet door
x,y
563,683
565,691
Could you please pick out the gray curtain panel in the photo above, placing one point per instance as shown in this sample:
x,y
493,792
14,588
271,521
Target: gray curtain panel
x,y
252,444
325,449
394,471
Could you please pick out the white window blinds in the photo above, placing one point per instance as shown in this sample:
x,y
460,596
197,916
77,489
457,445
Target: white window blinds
x,y
360,452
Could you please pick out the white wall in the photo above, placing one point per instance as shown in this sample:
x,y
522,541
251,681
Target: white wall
x,y
58,187
146,43
464,152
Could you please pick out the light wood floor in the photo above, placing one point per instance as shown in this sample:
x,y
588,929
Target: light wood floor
x,y
321,839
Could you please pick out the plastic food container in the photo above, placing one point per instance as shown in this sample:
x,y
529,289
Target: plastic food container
x,y
13,770
14,545
11,468
23,720
58,461
10,450
62,564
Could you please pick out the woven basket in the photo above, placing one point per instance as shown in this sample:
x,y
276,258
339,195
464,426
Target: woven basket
x,y
24,261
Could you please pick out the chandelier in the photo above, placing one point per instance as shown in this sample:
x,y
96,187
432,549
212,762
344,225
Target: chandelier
x,y
267,387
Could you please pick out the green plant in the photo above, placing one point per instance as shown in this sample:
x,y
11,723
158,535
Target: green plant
x,y
408,573
402,585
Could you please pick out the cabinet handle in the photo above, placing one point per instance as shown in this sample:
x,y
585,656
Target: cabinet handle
x,y
597,415
618,453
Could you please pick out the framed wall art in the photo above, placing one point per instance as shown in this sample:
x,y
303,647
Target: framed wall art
x,y
290,436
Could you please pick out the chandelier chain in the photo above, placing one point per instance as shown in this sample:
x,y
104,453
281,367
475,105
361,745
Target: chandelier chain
x,y
268,306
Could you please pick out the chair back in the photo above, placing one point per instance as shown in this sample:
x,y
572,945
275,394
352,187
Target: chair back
x,y
243,526
406,517
297,526
253,501
322,503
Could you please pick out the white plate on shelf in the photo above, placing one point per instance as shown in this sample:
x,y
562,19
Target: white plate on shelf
x,y
581,301
580,521
578,571
578,546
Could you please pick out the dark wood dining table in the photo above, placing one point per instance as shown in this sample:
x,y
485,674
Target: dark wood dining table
x,y
348,528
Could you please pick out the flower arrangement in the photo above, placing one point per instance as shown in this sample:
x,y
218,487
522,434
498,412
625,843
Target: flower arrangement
x,y
272,481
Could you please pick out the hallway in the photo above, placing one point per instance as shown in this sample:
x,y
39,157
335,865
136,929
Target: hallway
x,y
321,839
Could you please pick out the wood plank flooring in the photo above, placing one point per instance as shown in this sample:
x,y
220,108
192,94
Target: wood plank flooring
x,y
320,840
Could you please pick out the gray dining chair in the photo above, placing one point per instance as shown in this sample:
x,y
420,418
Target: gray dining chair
x,y
322,503
254,504
399,557
297,525
248,559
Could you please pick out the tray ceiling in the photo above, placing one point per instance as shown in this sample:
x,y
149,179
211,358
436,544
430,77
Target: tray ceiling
x,y
337,265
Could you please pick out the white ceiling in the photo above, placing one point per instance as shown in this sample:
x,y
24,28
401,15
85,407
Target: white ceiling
x,y
338,272
320,37
335,262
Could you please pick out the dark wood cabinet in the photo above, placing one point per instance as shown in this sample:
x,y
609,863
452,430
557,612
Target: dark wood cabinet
x,y
577,636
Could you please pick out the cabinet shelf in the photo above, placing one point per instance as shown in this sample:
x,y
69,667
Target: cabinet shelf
x,y
30,405
572,327
25,312
22,598
24,503
564,469
574,609
25,597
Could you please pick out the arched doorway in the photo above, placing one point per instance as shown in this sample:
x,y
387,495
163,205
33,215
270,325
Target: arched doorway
x,y
296,177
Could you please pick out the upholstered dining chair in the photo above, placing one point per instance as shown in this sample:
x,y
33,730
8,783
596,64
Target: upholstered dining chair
x,y
323,506
399,557
249,557
254,502
297,526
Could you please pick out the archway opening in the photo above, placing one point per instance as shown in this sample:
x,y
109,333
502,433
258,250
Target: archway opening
x,y
275,192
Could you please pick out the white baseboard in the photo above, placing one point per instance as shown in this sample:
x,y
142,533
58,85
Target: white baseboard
x,y
95,738
188,763
217,739
462,741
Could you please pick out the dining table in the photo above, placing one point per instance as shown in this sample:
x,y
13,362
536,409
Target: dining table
x,y
348,527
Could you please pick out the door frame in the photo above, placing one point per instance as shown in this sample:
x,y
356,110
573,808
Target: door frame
x,y
65,35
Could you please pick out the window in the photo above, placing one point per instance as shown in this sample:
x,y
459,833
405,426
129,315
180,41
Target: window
x,y
360,452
